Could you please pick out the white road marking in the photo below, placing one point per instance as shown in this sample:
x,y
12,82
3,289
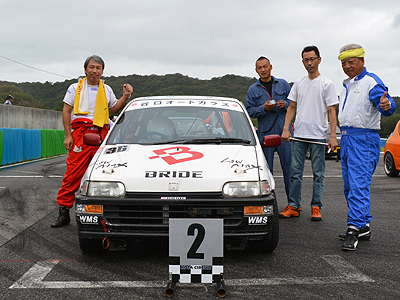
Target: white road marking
x,y
347,274
34,278
29,172
35,275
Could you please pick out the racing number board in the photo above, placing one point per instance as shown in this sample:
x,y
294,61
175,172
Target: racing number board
x,y
196,250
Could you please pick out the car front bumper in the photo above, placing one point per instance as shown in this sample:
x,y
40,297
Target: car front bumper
x,y
143,216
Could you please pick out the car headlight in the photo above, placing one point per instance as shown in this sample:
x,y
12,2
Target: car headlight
x,y
102,189
246,188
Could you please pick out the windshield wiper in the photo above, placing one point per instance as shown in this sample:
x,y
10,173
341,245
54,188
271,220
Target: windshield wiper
x,y
217,140
180,141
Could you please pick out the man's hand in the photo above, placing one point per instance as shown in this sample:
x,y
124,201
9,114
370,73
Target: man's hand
x,y
332,144
268,106
286,135
281,104
68,142
385,103
127,90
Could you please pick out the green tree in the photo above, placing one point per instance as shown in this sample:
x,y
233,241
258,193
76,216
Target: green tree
x,y
388,124
20,98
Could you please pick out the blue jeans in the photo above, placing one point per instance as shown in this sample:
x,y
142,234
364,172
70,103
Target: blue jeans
x,y
299,151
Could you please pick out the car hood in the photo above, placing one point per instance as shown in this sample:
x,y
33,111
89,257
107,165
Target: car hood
x,y
176,168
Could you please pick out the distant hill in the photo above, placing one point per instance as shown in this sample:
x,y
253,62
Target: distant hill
x,y
21,97
50,95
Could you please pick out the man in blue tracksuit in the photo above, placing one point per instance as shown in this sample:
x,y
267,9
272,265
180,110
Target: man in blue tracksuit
x,y
362,101
267,100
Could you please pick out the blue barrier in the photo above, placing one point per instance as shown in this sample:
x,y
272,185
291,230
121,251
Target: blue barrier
x,y
32,146
20,145
383,143
12,145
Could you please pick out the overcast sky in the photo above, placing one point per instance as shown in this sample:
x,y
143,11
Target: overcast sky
x,y
202,39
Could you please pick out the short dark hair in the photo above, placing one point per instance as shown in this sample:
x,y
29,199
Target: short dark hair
x,y
309,49
95,58
10,97
261,58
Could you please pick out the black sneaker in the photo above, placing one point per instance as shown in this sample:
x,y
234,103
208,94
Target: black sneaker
x,y
62,219
351,240
363,235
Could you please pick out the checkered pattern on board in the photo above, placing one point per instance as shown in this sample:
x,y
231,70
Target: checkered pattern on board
x,y
196,273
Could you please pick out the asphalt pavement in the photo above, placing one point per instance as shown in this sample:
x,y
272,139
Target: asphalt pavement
x,y
39,262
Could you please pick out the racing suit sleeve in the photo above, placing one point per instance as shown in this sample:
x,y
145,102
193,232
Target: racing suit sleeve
x,y
375,95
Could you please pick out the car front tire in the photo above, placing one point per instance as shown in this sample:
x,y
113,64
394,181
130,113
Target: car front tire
x,y
390,168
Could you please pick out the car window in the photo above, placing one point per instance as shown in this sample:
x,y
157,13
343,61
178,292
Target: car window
x,y
153,125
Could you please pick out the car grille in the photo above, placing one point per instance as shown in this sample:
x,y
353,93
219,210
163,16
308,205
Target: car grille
x,y
158,215
145,214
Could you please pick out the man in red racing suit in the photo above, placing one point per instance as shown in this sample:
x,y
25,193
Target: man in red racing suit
x,y
86,106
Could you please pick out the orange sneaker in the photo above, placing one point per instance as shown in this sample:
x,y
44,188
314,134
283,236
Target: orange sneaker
x,y
316,213
290,211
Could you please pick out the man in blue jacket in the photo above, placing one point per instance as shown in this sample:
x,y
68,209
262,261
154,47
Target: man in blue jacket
x,y
267,101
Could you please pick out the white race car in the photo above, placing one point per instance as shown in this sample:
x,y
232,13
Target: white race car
x,y
178,157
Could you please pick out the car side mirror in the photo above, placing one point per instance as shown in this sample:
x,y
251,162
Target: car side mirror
x,y
272,140
92,139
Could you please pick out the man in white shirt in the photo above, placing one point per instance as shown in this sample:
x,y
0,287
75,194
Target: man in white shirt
x,y
315,98
86,106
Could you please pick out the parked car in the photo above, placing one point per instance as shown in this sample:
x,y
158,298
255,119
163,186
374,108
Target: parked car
x,y
328,153
391,156
178,157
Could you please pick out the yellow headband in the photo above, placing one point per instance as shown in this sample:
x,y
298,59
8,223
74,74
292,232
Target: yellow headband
x,y
351,53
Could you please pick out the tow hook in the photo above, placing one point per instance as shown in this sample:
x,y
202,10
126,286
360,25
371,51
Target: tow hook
x,y
106,242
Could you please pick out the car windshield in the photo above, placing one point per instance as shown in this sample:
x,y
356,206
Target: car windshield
x,y
182,124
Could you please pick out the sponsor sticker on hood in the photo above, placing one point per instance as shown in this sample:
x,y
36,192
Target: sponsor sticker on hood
x,y
179,168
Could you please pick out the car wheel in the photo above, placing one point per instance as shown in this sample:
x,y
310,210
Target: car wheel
x,y
90,246
390,168
268,244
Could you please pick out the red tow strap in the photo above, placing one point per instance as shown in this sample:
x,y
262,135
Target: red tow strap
x,y
106,242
